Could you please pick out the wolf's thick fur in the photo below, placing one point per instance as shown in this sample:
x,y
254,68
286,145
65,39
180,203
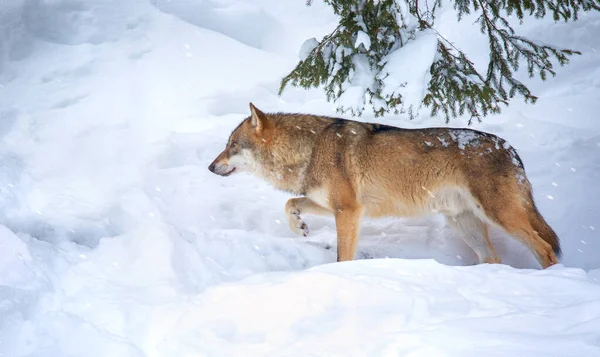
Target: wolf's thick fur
x,y
351,169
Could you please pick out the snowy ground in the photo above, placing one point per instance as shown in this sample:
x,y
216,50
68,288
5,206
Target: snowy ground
x,y
115,239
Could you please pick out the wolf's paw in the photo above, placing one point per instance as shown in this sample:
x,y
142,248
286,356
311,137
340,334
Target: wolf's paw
x,y
297,225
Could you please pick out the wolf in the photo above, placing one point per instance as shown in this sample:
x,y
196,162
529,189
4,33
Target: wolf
x,y
350,169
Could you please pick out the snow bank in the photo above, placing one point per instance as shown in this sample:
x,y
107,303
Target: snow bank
x,y
73,22
392,307
134,307
240,20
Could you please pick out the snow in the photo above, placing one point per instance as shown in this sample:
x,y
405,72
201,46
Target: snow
x,y
392,308
443,141
354,95
115,239
464,138
307,47
403,15
362,39
406,70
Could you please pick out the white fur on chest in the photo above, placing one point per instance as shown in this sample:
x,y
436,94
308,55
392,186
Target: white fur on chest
x,y
320,196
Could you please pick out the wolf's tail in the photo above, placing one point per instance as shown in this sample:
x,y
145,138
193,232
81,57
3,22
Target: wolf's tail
x,y
536,219
544,230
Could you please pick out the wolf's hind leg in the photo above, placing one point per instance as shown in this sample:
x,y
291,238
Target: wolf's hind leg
x,y
297,206
475,233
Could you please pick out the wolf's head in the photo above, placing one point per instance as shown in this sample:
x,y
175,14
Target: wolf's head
x,y
245,147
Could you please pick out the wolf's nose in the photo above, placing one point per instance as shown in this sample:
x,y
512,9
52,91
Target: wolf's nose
x,y
211,167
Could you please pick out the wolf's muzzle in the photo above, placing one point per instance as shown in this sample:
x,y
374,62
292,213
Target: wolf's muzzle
x,y
211,167
221,169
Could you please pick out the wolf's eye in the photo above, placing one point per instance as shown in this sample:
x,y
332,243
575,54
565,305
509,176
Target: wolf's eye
x,y
233,144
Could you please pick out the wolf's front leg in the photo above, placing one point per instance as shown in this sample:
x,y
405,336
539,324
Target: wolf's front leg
x,y
296,206
347,221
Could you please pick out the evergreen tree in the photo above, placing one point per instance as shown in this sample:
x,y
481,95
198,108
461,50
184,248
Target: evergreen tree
x,y
362,61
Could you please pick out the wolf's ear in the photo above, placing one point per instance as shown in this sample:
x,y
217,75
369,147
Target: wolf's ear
x,y
257,119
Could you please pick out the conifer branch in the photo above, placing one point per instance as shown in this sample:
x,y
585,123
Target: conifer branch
x,y
455,87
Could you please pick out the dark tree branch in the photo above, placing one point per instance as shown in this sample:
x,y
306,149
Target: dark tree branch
x,y
456,87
